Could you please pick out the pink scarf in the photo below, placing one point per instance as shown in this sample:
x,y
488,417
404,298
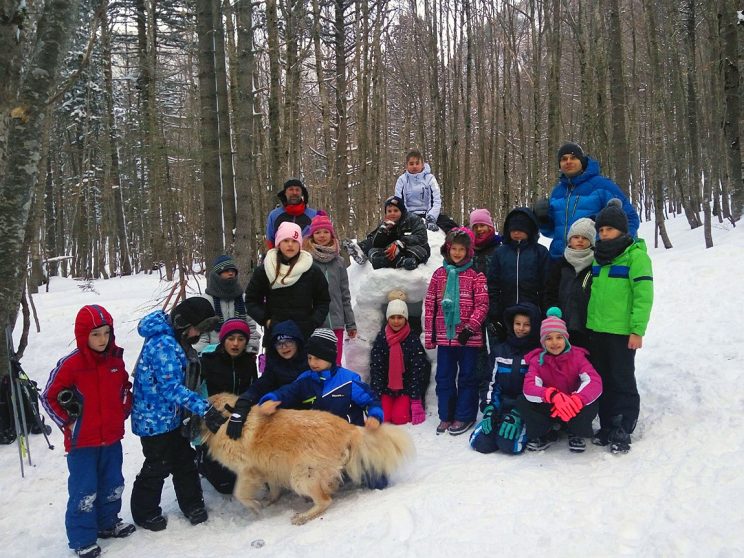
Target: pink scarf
x,y
396,366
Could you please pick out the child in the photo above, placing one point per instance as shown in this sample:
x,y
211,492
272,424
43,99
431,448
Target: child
x,y
288,286
618,314
518,268
501,427
159,398
399,368
399,241
419,191
456,305
570,282
88,396
228,369
561,389
322,245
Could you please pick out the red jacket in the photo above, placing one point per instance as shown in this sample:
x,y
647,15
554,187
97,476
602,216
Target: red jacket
x,y
99,380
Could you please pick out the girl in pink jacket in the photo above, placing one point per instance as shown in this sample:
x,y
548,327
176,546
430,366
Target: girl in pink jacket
x,y
456,304
561,389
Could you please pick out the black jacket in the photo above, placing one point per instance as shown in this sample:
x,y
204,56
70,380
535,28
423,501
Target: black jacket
x,y
570,292
410,230
417,366
224,373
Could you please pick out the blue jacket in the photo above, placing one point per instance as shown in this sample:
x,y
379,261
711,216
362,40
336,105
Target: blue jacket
x,y
279,215
582,196
159,390
338,391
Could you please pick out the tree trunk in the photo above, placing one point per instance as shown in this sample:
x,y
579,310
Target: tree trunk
x,y
341,177
276,168
727,17
619,151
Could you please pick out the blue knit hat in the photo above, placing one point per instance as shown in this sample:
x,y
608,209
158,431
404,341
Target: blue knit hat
x,y
223,263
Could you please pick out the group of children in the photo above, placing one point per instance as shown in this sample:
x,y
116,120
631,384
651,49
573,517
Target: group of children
x,y
527,369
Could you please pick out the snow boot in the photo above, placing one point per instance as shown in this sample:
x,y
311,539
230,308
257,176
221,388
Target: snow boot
x,y
459,427
90,551
157,523
542,443
576,444
118,531
197,515
443,427
619,439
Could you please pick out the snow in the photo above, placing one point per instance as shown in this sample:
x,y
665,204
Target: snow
x,y
675,494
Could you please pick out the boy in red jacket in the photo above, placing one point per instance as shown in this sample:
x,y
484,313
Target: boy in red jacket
x,y
89,396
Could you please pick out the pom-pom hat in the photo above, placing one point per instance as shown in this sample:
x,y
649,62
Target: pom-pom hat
x,y
613,216
583,227
553,324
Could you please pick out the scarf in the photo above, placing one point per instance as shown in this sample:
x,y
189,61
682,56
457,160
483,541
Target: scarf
x,y
295,209
451,298
608,250
285,278
579,259
485,240
323,254
396,365
225,289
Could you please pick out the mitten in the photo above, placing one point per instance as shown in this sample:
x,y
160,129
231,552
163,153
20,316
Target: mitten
x,y
238,415
213,419
464,336
487,422
542,211
511,425
418,415
431,223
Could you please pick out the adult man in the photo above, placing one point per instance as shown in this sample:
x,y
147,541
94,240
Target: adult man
x,y
294,198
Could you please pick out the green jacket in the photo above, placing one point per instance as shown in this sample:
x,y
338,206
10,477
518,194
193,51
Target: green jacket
x,y
622,293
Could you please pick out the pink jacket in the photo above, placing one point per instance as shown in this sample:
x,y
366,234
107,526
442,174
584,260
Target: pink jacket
x,y
473,308
568,372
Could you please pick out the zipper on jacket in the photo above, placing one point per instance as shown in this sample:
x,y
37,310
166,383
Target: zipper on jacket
x,y
519,251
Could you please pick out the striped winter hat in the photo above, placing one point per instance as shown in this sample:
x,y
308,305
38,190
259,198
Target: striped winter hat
x,y
553,324
322,344
223,263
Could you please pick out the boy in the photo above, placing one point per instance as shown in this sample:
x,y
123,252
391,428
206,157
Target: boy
x,y
501,427
518,269
88,396
617,317
159,396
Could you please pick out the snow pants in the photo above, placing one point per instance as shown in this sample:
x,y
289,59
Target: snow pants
x,y
538,421
396,408
222,478
457,383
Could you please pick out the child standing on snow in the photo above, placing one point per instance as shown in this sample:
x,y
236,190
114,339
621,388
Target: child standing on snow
x,y
502,427
456,305
322,244
88,396
561,388
399,368
618,314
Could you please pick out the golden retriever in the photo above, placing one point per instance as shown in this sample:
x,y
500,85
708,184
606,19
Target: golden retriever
x,y
306,451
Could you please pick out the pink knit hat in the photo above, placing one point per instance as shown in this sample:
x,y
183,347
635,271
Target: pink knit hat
x,y
234,325
320,222
481,217
288,230
553,324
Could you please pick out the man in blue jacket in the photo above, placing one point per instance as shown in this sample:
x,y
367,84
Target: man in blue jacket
x,y
581,192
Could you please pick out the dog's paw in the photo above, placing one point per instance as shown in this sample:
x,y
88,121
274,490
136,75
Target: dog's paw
x,y
300,519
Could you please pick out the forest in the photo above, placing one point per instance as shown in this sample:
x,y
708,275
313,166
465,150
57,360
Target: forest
x,y
150,135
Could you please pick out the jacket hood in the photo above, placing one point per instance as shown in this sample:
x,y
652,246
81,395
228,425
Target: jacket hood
x,y
528,309
89,318
533,234
591,170
463,233
289,328
155,323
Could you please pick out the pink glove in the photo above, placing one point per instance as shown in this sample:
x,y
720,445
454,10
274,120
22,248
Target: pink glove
x,y
418,415
549,393
563,407
576,403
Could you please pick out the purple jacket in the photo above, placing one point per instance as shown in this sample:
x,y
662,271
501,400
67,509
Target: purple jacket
x,y
569,372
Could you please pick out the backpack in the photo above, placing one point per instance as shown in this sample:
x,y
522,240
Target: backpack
x,y
29,408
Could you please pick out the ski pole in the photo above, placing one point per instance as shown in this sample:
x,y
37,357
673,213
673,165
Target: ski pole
x,y
14,401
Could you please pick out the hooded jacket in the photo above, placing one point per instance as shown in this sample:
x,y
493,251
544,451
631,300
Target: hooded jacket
x,y
569,372
420,192
99,381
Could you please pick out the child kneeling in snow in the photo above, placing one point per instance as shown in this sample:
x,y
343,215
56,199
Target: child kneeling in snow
x,y
561,388
399,368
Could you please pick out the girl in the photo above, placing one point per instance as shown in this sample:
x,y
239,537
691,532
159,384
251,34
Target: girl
x,y
399,368
288,286
456,305
322,245
486,239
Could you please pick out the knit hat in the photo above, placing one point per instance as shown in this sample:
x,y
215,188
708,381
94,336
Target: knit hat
x,y
583,227
288,230
293,182
612,216
223,263
481,217
234,325
195,311
397,202
321,222
459,235
553,324
396,307
322,344
574,149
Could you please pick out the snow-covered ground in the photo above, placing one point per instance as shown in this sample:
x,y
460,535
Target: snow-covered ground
x,y
679,491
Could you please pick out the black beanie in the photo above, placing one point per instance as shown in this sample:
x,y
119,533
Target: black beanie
x,y
397,202
612,216
322,344
195,311
575,150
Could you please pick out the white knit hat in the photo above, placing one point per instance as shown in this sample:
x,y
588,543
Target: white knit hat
x,y
397,308
583,227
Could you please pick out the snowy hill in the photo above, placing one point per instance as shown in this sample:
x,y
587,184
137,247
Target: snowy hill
x,y
677,493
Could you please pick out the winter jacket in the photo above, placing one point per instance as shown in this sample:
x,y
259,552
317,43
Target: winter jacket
x,y
99,381
420,193
569,372
159,379
306,302
584,195
569,291
279,215
223,373
517,271
340,315
416,364
338,391
228,311
410,230
483,254
508,364
622,293
473,309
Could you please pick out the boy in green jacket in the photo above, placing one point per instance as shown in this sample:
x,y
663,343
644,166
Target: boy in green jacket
x,y
619,309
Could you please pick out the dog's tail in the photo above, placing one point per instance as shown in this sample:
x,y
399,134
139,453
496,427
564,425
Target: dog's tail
x,y
378,453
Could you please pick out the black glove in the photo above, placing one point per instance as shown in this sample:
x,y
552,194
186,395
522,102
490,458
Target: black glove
x,y
213,419
431,223
542,211
497,330
238,414
464,336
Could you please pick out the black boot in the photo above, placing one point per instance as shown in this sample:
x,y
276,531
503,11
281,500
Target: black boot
x,y
619,439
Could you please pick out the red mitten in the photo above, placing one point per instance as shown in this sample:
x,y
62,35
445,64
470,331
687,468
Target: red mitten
x,y
576,403
418,415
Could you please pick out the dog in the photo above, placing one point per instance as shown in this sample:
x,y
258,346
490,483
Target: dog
x,y
309,452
